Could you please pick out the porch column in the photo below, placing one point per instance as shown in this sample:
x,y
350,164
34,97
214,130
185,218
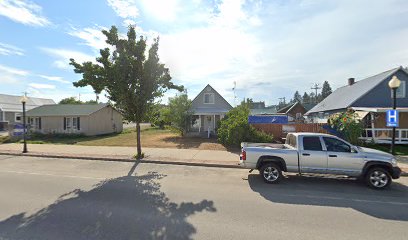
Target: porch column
x,y
372,126
214,123
199,123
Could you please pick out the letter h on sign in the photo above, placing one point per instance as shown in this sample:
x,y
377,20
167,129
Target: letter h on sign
x,y
392,118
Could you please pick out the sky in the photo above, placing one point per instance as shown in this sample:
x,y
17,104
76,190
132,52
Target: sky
x,y
269,49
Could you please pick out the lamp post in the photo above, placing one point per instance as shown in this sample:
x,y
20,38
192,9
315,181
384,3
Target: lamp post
x,y
394,84
23,101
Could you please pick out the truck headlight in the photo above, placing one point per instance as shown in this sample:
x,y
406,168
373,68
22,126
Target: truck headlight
x,y
394,162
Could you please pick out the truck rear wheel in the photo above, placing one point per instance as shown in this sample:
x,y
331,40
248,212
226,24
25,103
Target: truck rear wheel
x,y
378,178
270,173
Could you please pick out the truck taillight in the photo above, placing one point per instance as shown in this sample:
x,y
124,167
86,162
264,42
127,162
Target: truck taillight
x,y
243,155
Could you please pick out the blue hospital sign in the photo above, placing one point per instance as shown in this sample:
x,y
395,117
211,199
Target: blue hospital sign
x,y
392,118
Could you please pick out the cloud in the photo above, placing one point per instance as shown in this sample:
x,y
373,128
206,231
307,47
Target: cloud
x,y
162,10
124,8
54,78
92,36
6,49
24,12
63,56
13,71
41,86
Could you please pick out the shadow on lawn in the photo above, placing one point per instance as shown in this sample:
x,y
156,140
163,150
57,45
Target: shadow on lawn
x,y
188,142
129,207
391,204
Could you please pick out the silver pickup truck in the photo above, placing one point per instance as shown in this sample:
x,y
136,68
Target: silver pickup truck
x,y
322,154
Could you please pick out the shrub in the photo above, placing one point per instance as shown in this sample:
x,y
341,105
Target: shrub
x,y
234,128
348,124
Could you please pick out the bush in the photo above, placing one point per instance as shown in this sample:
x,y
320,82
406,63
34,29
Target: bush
x,y
348,124
234,128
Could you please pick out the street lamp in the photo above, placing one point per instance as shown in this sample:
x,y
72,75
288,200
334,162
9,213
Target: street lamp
x,y
23,101
394,84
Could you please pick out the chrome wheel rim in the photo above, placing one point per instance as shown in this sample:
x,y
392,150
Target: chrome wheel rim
x,y
270,174
378,179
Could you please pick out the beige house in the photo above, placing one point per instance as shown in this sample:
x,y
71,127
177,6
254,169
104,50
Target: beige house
x,y
87,119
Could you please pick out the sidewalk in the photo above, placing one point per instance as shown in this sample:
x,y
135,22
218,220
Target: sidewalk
x,y
192,157
155,155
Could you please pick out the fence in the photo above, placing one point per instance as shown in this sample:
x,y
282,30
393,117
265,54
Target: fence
x,y
279,131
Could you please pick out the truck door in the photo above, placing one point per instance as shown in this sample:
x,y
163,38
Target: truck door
x,y
342,158
312,158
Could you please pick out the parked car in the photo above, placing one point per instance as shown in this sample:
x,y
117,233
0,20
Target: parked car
x,y
322,154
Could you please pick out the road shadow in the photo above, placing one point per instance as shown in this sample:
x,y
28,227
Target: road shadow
x,y
391,204
129,207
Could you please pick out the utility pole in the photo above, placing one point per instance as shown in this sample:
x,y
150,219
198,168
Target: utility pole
x,y
316,87
283,102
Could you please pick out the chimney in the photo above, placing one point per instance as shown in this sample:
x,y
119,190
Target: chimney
x,y
350,81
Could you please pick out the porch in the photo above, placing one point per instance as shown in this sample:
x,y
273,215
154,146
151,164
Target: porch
x,y
206,123
374,120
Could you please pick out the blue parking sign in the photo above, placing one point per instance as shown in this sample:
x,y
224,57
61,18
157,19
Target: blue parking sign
x,y
392,118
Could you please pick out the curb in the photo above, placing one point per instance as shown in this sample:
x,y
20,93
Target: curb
x,y
124,160
403,173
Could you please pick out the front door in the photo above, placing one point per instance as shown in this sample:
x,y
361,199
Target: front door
x,y
312,158
342,158
208,123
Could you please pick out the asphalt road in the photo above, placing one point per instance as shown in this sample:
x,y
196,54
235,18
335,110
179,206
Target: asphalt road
x,y
78,199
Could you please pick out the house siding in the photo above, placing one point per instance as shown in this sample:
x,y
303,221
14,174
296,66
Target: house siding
x,y
380,96
219,102
104,121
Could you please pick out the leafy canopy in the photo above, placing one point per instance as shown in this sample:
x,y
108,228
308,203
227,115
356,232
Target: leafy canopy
x,y
131,79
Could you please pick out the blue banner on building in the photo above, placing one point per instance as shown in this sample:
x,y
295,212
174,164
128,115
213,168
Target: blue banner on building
x,y
268,119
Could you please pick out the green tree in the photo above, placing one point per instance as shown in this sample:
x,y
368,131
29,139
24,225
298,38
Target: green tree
x,y
348,124
234,128
180,113
306,98
297,97
326,90
70,100
131,79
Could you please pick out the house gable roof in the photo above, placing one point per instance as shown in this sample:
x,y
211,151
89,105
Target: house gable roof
x,y
198,106
11,103
345,96
66,110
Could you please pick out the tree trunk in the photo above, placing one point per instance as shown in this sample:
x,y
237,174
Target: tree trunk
x,y
139,147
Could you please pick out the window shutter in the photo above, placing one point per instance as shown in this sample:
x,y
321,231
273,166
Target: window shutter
x,y
65,123
39,123
78,123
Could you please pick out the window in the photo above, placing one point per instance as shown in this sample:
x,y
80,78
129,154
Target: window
x,y
335,145
291,140
209,98
401,91
74,123
17,117
312,144
68,123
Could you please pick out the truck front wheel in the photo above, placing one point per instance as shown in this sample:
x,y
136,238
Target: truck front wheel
x,y
271,173
378,178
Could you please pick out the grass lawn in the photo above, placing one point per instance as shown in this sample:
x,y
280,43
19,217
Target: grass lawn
x,y
399,149
150,137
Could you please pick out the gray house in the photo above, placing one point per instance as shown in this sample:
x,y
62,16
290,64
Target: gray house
x,y
370,98
209,108
11,109
87,119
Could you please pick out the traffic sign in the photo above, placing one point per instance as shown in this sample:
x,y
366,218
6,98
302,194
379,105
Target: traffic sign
x,y
392,118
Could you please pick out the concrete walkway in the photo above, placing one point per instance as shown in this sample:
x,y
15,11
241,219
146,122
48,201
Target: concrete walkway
x,y
158,155
194,157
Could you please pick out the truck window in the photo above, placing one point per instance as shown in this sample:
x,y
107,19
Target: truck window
x,y
312,144
335,145
291,140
